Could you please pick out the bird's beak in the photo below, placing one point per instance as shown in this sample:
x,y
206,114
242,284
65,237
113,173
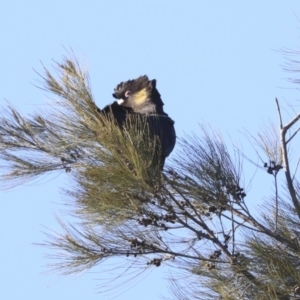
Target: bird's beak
x,y
120,101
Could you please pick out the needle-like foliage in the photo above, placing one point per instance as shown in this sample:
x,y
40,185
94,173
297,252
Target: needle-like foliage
x,y
193,217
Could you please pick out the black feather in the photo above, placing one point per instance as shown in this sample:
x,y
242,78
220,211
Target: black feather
x,y
139,97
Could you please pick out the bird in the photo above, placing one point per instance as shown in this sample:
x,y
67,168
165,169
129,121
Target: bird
x,y
140,98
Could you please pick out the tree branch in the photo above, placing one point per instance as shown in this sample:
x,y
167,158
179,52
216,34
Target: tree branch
x,y
283,131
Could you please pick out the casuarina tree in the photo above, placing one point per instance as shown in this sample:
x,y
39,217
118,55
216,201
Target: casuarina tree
x,y
194,215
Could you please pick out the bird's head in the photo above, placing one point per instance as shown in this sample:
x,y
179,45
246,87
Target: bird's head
x,y
139,94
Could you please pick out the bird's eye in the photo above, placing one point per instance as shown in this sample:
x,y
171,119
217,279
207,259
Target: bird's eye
x,y
127,93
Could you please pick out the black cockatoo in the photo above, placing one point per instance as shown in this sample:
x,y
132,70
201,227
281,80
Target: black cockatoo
x,y
139,97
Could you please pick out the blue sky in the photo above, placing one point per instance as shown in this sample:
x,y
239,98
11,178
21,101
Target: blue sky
x,y
215,62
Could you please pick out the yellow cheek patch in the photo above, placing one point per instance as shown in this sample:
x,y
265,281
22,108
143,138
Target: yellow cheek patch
x,y
140,97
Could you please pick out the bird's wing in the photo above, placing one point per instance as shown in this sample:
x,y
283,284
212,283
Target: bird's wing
x,y
163,127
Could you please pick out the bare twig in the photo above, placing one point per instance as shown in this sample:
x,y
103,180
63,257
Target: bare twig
x,y
293,135
278,108
283,131
276,201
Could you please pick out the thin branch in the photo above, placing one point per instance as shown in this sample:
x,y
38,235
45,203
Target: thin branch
x,y
289,125
296,169
233,231
288,173
266,231
276,202
293,135
279,113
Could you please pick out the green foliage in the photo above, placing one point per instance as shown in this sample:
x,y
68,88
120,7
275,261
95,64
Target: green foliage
x,y
192,216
